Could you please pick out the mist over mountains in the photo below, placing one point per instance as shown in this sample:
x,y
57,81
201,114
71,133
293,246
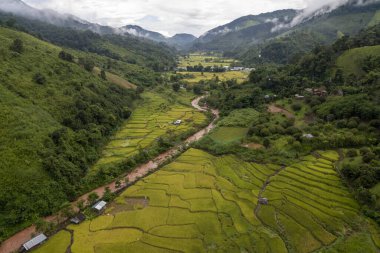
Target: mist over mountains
x,y
247,30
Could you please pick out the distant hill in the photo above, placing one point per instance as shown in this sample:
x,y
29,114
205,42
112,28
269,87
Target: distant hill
x,y
321,30
182,41
127,48
243,31
260,38
141,32
19,8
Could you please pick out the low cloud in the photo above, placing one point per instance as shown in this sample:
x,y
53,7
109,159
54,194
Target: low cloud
x,y
316,8
190,16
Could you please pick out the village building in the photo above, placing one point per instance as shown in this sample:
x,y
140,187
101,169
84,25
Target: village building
x,y
308,136
100,206
34,242
177,122
79,218
263,201
321,92
237,69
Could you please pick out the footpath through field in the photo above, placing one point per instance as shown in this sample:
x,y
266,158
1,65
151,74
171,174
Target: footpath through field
x,y
15,242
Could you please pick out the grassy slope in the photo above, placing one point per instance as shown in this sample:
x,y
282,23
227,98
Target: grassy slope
x,y
29,113
350,61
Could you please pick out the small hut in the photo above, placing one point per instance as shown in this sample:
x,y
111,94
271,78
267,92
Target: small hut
x,y
263,201
33,242
78,219
100,206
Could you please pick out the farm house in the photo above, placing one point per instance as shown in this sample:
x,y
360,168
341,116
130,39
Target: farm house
x,y
33,242
99,206
79,218
263,201
177,122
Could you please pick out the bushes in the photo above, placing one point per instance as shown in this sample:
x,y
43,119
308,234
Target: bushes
x,y
39,78
17,46
66,56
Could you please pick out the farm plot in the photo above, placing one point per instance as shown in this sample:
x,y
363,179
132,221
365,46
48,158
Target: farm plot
x,y
203,203
309,206
196,77
153,119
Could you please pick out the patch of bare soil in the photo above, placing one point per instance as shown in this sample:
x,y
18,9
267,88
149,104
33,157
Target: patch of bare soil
x,y
276,109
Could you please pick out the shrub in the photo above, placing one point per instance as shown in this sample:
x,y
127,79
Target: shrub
x,y
66,56
352,153
296,107
17,46
39,78
176,87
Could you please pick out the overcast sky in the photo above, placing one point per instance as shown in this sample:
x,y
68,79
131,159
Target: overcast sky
x,y
170,16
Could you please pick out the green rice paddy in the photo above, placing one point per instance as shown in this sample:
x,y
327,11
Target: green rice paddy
x,y
211,61
226,135
203,203
152,119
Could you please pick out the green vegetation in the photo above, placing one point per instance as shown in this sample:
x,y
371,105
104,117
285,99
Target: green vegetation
x,y
151,124
131,50
201,68
225,135
58,244
203,203
352,61
55,117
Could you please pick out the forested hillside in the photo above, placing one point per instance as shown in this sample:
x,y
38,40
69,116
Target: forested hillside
x,y
55,117
321,30
129,49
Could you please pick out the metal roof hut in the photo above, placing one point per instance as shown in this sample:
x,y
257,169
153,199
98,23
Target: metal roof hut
x,y
79,218
263,201
99,206
33,242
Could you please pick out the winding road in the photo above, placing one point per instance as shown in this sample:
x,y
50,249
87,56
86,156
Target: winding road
x,y
15,242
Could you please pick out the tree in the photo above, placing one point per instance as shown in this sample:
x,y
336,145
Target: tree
x,y
197,89
266,143
107,195
87,63
103,75
17,46
139,90
39,78
176,87
67,210
92,198
66,56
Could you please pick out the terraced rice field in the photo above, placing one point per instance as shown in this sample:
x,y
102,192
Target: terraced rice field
x,y
152,119
240,76
196,59
203,203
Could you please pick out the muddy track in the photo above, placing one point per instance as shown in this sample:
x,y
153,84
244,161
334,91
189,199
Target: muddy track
x,y
16,241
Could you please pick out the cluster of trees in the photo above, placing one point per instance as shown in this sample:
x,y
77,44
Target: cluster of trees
x,y
201,68
347,107
364,175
